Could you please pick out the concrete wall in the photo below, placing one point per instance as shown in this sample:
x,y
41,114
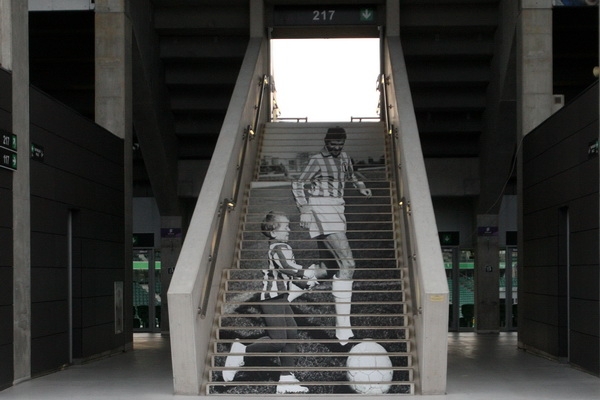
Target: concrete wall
x,y
458,214
560,246
6,253
79,178
146,217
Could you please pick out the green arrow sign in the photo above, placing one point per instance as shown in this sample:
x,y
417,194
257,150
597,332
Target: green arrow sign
x,y
8,140
367,14
8,159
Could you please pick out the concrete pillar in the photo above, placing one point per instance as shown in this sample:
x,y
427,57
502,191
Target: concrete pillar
x,y
6,34
534,63
257,18
171,240
17,56
487,276
392,18
113,47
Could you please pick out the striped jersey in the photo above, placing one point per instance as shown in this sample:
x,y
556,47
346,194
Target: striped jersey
x,y
327,176
282,266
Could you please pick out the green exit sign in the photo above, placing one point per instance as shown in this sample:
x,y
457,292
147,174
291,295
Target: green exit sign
x,y
449,238
367,15
8,159
8,140
37,152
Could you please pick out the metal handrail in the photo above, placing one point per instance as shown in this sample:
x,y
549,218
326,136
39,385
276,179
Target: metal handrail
x,y
407,237
228,204
382,83
212,258
361,119
402,202
249,135
263,83
215,217
297,119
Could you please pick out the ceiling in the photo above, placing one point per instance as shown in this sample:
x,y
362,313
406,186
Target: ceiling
x,y
449,47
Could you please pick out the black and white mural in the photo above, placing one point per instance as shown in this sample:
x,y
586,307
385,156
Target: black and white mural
x,y
316,304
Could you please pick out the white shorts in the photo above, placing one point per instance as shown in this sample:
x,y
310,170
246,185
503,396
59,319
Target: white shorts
x,y
328,216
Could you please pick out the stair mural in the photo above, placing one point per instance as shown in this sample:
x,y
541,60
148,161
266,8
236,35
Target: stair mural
x,y
315,303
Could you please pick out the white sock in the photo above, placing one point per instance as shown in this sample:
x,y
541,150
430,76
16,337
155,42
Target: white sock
x,y
342,293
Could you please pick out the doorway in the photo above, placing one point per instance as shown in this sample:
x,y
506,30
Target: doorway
x,y
324,80
146,290
460,273
508,289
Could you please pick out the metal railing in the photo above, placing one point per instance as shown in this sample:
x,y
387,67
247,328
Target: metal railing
x,y
384,105
228,204
422,255
209,244
296,119
361,119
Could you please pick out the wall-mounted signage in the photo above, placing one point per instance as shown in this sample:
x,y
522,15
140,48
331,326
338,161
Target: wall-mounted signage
x,y
143,240
487,231
8,150
8,159
61,5
324,15
37,152
8,140
449,238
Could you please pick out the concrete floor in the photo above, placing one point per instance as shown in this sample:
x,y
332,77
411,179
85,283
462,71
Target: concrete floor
x,y
486,367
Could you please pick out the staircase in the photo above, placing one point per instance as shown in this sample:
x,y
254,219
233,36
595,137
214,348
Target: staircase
x,y
378,359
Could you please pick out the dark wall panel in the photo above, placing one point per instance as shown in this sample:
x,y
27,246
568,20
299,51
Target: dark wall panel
x,y
6,365
536,335
589,219
49,353
584,282
6,244
539,280
543,222
49,318
49,284
6,334
6,255
80,177
541,308
581,345
560,177
50,250
542,252
584,315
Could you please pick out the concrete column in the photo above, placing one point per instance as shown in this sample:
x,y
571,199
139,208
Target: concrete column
x,y
487,276
18,58
257,18
113,38
6,34
392,18
534,64
171,240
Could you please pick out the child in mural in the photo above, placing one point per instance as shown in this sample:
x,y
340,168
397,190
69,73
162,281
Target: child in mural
x,y
283,281
322,210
